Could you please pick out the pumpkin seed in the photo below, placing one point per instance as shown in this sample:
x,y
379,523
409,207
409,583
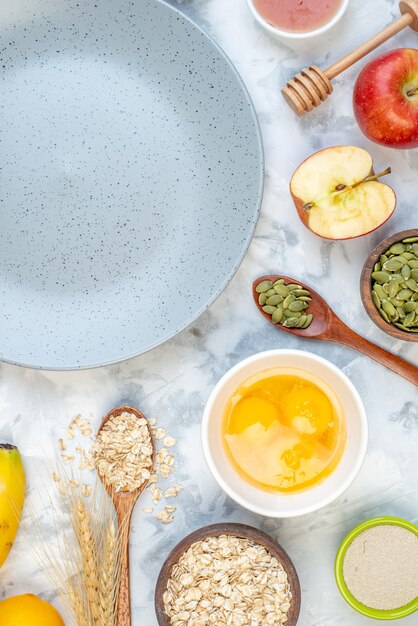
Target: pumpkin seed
x,y
300,292
274,300
406,271
388,308
297,305
408,319
376,299
397,302
401,327
285,303
288,300
384,315
395,285
277,316
291,322
269,309
309,319
381,277
397,248
393,288
395,264
282,290
404,294
379,290
265,285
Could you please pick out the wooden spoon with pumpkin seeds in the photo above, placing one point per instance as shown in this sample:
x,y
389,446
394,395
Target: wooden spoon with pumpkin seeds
x,y
326,325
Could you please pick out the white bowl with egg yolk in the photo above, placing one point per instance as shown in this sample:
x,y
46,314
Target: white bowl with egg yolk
x,y
274,503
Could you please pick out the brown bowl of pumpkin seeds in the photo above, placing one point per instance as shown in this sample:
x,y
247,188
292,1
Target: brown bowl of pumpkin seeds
x,y
389,285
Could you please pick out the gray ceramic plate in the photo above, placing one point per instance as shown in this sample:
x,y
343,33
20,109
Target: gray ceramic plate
x,y
130,178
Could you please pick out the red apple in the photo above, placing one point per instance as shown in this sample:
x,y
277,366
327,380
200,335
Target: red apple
x,y
386,99
337,195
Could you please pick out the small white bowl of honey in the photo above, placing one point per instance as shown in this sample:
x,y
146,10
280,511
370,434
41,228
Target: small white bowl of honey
x,y
297,19
284,433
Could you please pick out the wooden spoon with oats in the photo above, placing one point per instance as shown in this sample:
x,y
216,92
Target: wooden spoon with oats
x,y
124,457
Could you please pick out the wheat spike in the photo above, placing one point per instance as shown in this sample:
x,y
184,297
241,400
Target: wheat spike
x,y
88,552
82,557
78,606
107,575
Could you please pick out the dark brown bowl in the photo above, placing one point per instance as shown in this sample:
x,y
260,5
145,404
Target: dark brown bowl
x,y
237,530
366,286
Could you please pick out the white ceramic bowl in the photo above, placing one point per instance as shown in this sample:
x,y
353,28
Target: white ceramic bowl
x,y
273,504
286,34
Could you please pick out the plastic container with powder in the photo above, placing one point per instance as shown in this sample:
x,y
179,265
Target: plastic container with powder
x,y
377,568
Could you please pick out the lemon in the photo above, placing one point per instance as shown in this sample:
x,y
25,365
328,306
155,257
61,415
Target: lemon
x,y
28,610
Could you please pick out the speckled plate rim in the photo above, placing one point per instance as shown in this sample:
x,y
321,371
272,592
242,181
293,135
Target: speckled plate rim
x,y
239,259
404,611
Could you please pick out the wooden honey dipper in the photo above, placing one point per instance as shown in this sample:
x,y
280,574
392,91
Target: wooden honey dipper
x,y
310,87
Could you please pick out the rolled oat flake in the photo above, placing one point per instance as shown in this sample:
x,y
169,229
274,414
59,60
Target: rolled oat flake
x,y
380,567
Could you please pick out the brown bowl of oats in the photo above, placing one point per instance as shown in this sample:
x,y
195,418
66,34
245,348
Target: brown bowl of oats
x,y
228,574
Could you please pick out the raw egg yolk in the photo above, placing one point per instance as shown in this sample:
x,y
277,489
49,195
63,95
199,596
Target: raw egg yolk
x,y
250,411
294,456
284,432
308,411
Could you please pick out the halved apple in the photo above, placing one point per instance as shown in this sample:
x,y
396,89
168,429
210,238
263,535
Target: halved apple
x,y
338,196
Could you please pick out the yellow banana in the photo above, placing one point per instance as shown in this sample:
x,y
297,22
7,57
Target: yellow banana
x,y
12,495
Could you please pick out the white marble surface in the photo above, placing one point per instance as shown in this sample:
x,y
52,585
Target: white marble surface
x,y
173,381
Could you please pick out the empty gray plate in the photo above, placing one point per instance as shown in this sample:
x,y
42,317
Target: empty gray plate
x,y
130,178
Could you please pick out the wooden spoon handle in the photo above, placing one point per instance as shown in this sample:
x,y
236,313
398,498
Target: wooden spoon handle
x,y
124,601
369,45
391,361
